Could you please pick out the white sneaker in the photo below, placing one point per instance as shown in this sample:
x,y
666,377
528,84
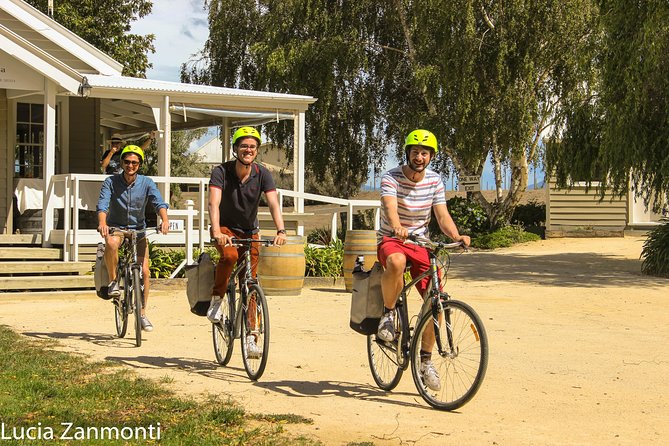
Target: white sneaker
x,y
430,376
113,289
214,312
146,324
386,331
252,349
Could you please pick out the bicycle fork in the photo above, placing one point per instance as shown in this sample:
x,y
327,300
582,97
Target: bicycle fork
x,y
437,309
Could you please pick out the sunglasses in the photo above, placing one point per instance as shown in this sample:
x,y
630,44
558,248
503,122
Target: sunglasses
x,y
131,163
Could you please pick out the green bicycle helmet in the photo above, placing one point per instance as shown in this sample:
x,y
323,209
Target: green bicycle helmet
x,y
133,149
421,137
243,132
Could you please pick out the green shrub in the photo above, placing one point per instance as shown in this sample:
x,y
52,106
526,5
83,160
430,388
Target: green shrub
x,y
323,236
325,262
162,262
469,217
503,238
655,252
531,214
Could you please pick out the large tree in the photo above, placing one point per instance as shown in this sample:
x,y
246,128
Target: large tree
x,y
481,74
105,24
615,127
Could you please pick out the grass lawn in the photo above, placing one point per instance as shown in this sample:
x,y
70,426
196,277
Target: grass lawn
x,y
52,397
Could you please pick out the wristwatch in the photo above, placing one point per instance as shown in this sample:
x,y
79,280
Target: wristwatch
x,y
281,231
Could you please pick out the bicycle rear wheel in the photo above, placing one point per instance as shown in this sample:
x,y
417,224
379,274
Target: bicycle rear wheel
x,y
120,312
255,323
223,331
137,297
383,363
462,366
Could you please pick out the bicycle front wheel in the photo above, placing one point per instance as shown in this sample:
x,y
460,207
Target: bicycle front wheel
x,y
462,363
137,297
255,333
223,331
121,314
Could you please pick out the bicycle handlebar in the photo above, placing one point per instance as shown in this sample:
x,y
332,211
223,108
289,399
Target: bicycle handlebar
x,y
427,243
237,242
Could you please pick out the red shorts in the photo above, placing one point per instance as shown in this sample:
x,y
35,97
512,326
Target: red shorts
x,y
417,255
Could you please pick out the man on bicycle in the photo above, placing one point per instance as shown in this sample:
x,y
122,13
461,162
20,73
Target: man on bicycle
x,y
234,197
122,203
408,195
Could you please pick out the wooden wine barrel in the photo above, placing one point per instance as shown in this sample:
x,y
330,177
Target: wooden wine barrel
x,y
281,268
358,242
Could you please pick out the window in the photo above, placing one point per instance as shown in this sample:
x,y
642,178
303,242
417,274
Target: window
x,y
29,150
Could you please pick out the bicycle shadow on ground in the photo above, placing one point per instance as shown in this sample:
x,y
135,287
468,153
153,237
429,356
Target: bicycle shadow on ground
x,y
319,389
206,368
105,340
587,269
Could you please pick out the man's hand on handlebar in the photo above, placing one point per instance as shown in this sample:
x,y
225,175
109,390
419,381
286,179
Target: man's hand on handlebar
x,y
400,232
164,227
222,239
280,239
465,239
103,229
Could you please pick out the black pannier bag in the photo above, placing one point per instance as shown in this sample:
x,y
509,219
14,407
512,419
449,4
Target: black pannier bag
x,y
100,275
200,284
366,298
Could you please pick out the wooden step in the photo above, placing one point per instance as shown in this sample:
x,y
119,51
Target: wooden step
x,y
25,253
20,239
37,267
46,282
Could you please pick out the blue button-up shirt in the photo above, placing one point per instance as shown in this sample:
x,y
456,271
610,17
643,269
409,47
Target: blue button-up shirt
x,y
125,204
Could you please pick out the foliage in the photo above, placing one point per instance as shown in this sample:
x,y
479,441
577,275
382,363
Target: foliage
x,y
325,262
484,76
531,214
39,383
183,163
468,215
105,24
323,236
615,127
655,253
163,262
503,238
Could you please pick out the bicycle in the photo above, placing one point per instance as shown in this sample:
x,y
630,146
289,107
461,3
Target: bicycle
x,y
243,315
129,276
460,353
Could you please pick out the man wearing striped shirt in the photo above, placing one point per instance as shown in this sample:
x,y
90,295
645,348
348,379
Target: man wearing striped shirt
x,y
408,195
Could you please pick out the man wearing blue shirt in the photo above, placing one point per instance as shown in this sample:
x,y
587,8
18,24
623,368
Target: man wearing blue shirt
x,y
122,203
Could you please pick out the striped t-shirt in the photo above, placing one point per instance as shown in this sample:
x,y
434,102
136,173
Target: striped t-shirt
x,y
414,200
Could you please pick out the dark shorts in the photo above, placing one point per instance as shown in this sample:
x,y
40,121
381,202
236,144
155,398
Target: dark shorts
x,y
417,255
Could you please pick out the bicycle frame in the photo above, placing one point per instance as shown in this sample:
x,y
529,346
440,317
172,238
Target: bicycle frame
x,y
245,265
432,301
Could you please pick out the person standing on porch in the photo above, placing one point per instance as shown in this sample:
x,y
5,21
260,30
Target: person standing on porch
x,y
235,188
111,159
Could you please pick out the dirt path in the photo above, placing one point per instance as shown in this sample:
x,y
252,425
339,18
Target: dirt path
x,y
578,353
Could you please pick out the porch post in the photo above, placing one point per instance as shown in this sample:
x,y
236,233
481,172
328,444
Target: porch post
x,y
49,157
165,147
161,114
225,140
298,166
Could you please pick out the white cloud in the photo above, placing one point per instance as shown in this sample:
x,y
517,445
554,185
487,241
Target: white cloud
x,y
181,29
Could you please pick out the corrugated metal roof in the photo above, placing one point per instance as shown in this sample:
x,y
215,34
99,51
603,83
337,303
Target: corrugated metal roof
x,y
132,83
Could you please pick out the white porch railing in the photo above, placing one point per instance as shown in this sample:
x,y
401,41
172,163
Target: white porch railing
x,y
72,237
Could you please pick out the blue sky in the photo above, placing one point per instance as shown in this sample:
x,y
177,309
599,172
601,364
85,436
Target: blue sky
x,y
181,28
